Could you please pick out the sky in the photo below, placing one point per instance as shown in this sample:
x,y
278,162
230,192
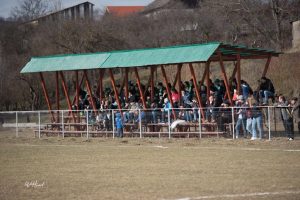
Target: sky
x,y
7,5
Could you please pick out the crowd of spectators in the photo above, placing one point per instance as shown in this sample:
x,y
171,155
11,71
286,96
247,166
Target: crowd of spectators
x,y
247,102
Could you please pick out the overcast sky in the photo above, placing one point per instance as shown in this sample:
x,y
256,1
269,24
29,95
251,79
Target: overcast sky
x,y
7,5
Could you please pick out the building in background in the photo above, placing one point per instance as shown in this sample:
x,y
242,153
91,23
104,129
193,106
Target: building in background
x,y
82,11
121,11
296,35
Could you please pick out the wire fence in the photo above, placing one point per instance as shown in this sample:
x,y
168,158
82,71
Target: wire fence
x,y
228,122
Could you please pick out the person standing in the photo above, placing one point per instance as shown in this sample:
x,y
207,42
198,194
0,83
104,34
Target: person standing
x,y
296,111
256,122
119,125
242,119
286,117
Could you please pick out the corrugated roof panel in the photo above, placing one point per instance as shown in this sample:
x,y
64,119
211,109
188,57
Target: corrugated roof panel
x,y
65,62
137,57
161,56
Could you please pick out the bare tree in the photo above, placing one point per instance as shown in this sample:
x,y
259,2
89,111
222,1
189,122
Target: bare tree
x,y
30,9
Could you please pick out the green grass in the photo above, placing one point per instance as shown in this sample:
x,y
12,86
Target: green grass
x,y
129,168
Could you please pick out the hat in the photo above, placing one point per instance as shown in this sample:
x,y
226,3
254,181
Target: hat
x,y
240,97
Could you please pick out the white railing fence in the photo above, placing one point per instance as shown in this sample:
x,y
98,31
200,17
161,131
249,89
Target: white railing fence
x,y
191,122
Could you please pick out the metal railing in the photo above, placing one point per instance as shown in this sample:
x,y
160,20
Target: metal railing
x,y
186,122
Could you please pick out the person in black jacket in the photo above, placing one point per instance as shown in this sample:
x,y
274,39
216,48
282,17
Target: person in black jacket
x,y
266,90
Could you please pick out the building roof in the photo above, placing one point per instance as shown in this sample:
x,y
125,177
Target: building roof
x,y
123,10
195,53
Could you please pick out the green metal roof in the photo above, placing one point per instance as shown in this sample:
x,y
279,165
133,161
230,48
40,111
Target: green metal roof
x,y
161,56
138,57
65,62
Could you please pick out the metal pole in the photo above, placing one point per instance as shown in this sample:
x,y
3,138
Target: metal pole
x,y
169,125
17,129
140,123
113,122
39,115
233,131
274,114
87,124
62,124
200,128
269,123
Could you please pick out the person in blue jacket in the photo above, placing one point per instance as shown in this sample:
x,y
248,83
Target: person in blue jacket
x,y
119,125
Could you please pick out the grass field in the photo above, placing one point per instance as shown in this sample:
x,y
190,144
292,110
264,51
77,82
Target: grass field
x,y
73,168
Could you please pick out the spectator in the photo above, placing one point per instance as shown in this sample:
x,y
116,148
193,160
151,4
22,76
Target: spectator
x,y
224,116
249,120
154,111
286,117
187,104
296,111
266,90
165,110
219,88
241,121
195,110
119,125
210,114
246,89
203,93
175,97
256,122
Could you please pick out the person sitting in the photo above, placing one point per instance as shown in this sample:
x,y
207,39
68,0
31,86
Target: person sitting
x,y
246,89
175,97
266,90
219,88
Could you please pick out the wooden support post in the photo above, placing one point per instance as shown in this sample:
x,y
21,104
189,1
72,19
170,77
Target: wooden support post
x,y
77,90
87,83
178,73
234,71
57,96
197,90
126,84
238,65
179,67
207,79
267,66
101,75
140,88
225,78
168,90
66,94
46,96
231,78
152,69
203,77
112,79
148,84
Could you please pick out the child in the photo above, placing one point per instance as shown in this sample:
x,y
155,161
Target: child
x,y
119,125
